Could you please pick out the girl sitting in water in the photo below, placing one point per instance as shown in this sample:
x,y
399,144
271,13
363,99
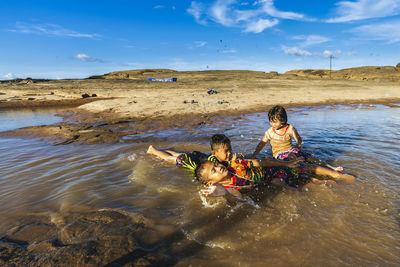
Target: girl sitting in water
x,y
280,136
228,181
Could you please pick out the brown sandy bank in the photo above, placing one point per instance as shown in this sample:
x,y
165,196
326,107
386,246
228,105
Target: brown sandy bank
x,y
123,99
104,237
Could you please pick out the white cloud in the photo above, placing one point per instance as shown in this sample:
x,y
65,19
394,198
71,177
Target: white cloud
x,y
9,76
52,30
389,31
296,51
245,15
253,18
365,9
261,25
309,40
269,8
54,74
220,10
327,53
84,57
197,10
200,43
159,7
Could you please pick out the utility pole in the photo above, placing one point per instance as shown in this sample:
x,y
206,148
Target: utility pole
x,y
330,66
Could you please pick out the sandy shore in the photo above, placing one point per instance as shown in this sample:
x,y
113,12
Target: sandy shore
x,y
186,102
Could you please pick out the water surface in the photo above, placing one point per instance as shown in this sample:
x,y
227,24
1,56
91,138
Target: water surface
x,y
14,119
347,225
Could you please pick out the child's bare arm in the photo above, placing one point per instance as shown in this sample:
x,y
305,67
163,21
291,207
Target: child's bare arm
x,y
275,162
167,156
232,195
297,137
260,145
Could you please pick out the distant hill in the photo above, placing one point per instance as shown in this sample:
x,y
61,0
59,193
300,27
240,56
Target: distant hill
x,y
370,73
385,73
143,74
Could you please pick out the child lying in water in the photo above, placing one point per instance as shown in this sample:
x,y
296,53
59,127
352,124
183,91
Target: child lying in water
x,y
240,174
221,152
228,181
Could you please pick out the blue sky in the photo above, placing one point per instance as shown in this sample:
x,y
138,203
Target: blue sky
x,y
76,39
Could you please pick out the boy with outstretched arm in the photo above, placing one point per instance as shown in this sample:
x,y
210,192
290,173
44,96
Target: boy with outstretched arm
x,y
221,152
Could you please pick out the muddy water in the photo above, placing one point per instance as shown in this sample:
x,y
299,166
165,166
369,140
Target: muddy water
x,y
346,225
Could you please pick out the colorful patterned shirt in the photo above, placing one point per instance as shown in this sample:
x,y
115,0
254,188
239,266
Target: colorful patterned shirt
x,y
190,161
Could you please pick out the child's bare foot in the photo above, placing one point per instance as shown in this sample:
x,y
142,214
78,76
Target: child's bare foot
x,y
150,150
338,168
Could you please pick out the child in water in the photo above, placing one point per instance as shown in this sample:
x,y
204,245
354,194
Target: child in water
x,y
221,152
280,136
228,181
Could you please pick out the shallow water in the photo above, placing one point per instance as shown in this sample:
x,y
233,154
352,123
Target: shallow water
x,y
14,119
350,225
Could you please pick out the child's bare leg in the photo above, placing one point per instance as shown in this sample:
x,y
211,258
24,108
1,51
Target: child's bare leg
x,y
308,186
314,160
323,182
173,153
337,176
161,154
315,183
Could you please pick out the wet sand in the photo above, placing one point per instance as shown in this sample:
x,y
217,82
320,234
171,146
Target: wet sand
x,y
104,109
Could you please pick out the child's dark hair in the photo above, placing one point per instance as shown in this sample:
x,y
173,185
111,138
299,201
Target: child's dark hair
x,y
219,140
277,113
198,172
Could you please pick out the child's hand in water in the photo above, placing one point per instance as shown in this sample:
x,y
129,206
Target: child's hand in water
x,y
214,190
299,145
295,162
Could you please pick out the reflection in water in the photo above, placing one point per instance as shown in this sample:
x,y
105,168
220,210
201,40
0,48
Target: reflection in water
x,y
14,119
354,224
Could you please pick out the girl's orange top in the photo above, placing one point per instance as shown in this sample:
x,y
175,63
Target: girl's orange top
x,y
280,142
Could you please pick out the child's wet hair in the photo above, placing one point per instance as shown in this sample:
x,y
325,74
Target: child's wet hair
x,y
198,172
277,113
218,140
